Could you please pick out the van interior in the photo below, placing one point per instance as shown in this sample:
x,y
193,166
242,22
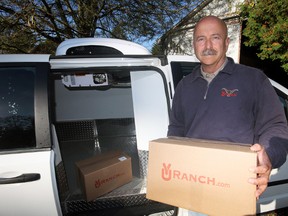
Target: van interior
x,y
102,110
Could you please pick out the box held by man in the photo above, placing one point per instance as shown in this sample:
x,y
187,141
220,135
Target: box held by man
x,y
210,177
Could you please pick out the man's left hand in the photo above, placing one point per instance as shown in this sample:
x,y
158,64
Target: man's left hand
x,y
262,170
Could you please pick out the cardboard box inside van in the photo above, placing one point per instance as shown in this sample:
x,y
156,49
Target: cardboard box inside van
x,y
210,177
103,173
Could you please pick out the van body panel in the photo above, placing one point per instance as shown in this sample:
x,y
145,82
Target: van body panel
x,y
31,198
6,58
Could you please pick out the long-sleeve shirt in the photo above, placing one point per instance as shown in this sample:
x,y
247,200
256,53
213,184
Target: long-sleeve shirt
x,y
239,105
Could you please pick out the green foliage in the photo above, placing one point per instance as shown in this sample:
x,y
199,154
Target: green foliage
x,y
31,26
157,49
267,28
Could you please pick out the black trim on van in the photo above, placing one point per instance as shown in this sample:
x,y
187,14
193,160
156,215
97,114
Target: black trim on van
x,y
92,50
276,183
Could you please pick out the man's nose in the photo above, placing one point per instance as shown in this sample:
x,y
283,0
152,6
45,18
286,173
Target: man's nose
x,y
208,44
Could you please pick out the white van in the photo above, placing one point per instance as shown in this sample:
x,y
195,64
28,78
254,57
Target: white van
x,y
93,96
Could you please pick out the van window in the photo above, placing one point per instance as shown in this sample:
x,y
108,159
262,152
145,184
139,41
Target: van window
x,y
17,108
181,69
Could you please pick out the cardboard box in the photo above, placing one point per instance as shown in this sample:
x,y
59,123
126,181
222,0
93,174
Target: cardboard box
x,y
103,173
204,176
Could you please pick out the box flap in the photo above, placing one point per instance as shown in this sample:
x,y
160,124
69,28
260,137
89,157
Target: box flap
x,y
231,146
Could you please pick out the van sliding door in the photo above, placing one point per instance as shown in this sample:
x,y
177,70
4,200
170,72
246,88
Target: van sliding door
x,y
27,176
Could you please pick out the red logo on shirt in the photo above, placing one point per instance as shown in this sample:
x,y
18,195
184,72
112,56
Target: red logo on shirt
x,y
229,93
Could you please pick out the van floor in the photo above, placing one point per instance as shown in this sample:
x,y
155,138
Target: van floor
x,y
132,193
78,150
84,139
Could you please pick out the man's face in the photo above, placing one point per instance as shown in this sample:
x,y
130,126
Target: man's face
x,y
210,43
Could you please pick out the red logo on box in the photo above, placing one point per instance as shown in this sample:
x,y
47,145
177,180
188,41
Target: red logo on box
x,y
167,174
100,182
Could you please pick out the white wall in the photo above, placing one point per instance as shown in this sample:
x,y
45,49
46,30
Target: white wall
x,y
92,104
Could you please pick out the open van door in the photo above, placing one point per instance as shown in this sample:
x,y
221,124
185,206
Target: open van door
x,y
27,176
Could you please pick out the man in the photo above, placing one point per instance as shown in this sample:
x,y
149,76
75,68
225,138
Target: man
x,y
221,100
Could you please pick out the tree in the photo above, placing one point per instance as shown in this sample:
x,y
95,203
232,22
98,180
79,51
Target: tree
x,y
266,28
36,26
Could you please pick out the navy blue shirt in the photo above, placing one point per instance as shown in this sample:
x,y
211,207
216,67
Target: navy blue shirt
x,y
239,105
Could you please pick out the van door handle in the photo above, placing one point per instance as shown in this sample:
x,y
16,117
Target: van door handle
x,y
26,177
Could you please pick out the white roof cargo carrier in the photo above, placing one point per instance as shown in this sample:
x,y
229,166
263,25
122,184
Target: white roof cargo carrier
x,y
100,46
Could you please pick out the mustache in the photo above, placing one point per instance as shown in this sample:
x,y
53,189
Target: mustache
x,y
208,52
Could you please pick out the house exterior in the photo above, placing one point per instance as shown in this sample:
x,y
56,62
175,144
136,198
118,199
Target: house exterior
x,y
179,39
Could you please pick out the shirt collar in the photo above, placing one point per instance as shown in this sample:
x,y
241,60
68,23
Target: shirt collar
x,y
212,75
228,68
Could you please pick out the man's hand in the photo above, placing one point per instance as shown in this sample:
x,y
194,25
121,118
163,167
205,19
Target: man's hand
x,y
263,170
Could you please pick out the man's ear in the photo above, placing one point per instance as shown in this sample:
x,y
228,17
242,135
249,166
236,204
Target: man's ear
x,y
227,42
